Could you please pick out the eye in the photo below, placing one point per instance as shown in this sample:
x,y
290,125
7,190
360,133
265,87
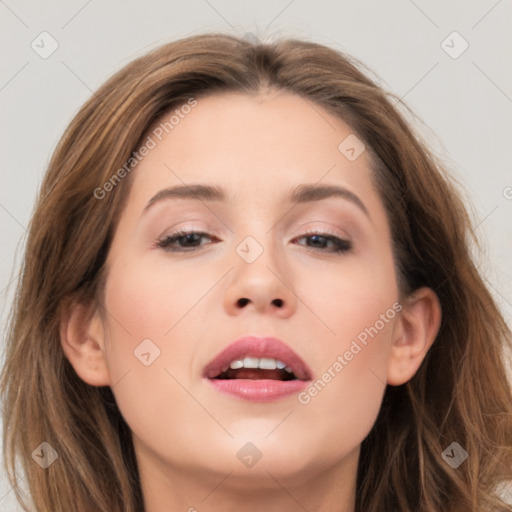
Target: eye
x,y
186,240
320,240
190,240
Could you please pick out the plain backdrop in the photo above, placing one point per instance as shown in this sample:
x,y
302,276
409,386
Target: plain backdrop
x,y
459,84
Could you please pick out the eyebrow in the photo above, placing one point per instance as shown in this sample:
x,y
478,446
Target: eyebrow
x,y
305,193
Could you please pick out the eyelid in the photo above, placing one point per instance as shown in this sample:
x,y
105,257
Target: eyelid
x,y
328,230
185,227
300,231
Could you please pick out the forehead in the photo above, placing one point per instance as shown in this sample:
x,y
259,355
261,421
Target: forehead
x,y
260,145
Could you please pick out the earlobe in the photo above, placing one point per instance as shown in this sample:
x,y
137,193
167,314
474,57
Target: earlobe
x,y
415,332
82,340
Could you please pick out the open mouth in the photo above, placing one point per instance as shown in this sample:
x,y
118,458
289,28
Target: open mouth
x,y
258,370
255,368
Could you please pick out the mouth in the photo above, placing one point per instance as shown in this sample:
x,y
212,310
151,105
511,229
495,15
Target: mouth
x,y
258,369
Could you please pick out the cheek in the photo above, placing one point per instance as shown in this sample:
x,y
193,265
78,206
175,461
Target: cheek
x,y
341,406
148,326
152,320
356,314
344,399
148,310
349,298
149,301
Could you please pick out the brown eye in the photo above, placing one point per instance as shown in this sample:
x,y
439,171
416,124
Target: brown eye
x,y
185,240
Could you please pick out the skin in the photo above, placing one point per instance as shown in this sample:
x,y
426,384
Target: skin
x,y
186,434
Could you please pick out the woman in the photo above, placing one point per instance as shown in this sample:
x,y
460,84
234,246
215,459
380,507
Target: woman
x,y
330,346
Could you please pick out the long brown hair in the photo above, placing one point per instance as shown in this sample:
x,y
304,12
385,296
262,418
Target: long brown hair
x,y
461,392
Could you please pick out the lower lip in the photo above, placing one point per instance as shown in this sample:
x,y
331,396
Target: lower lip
x,y
261,390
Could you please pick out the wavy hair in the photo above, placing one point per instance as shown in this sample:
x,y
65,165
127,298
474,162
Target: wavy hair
x,y
461,393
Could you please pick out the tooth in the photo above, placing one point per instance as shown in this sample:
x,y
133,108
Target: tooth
x,y
280,365
225,368
236,364
288,369
267,363
251,362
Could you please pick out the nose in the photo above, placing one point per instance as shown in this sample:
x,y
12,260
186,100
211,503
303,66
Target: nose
x,y
261,286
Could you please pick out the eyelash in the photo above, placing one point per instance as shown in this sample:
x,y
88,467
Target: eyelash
x,y
342,246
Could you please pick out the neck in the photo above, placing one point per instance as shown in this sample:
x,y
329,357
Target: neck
x,y
199,490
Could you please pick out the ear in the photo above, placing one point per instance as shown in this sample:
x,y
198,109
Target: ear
x,y
82,339
415,331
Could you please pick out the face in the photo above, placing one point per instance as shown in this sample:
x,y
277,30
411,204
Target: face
x,y
317,274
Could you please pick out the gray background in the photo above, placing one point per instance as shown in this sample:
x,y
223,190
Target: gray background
x,y
465,103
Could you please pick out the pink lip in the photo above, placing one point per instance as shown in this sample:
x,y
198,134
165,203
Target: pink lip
x,y
259,390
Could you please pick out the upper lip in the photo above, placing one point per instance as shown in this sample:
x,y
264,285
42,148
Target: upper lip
x,y
253,346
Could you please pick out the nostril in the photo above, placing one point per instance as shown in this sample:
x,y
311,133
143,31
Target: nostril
x,y
244,301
